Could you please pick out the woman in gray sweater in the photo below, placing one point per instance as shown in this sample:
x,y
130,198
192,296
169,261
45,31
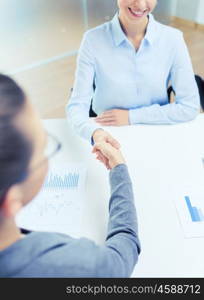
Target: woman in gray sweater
x,y
23,167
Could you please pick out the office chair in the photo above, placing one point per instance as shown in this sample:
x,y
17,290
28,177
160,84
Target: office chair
x,y
92,114
200,84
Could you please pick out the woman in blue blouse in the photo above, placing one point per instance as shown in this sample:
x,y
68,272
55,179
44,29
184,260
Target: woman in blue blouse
x,y
132,60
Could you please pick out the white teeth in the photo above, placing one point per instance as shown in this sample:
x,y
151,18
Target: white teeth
x,y
138,12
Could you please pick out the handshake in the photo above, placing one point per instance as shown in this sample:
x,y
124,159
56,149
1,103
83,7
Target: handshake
x,y
106,149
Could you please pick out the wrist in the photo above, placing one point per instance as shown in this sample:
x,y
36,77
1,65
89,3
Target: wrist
x,y
119,164
116,162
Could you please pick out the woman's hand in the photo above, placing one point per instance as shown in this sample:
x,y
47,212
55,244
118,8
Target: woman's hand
x,y
113,156
114,117
102,136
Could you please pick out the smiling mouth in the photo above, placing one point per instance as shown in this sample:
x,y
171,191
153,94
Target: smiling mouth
x,y
137,14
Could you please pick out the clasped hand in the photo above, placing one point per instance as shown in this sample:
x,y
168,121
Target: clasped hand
x,y
106,149
114,117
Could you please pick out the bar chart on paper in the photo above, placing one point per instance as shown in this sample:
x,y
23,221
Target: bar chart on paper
x,y
59,205
56,181
196,214
188,194
191,212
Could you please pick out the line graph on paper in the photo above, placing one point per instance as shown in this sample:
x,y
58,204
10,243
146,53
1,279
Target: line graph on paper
x,y
54,206
58,207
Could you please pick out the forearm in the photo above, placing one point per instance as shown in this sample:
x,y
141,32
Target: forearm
x,y
79,120
121,206
79,103
167,114
122,236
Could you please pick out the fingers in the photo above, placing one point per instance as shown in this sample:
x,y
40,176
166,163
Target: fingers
x,y
107,113
102,158
102,147
108,139
113,142
114,117
103,118
98,147
105,150
106,121
108,154
107,118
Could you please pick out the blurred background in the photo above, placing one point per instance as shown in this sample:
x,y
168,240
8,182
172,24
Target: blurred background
x,y
40,39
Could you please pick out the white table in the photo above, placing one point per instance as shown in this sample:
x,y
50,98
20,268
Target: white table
x,y
152,155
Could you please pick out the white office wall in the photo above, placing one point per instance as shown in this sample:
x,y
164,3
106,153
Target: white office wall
x,y
164,10
192,10
100,11
35,30
164,7
187,9
200,13
173,6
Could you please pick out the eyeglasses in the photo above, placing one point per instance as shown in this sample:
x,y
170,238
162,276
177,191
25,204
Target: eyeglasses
x,y
53,147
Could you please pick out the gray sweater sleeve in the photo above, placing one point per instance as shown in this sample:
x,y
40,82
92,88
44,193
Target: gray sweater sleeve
x,y
122,246
56,255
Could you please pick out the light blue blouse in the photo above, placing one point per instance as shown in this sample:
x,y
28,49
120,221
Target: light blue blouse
x,y
133,80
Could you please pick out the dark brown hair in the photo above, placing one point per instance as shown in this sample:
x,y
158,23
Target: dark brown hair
x,y
15,149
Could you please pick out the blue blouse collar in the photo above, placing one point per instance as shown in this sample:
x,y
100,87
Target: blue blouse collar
x,y
119,35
